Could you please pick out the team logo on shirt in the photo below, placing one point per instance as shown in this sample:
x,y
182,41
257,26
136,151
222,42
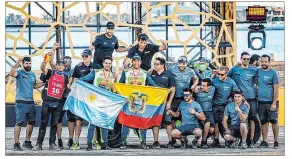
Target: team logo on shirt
x,y
137,102
147,52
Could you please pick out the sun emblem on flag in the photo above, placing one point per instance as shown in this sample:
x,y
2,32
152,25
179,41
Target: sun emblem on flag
x,y
91,97
137,102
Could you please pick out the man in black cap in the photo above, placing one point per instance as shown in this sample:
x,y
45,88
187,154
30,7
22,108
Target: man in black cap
x,y
80,70
105,44
145,51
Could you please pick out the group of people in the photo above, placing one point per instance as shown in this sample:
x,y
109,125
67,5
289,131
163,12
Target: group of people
x,y
196,106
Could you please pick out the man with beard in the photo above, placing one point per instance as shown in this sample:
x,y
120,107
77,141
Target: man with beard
x,y
24,104
224,86
204,96
255,60
52,94
145,51
237,112
68,72
268,84
191,112
103,78
80,70
105,44
135,76
165,79
245,76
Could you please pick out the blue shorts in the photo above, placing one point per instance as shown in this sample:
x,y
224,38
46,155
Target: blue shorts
x,y
209,118
188,129
25,112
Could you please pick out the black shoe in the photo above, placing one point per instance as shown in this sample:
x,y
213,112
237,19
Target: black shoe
x,y
174,143
194,144
105,146
60,144
143,145
204,145
156,145
89,146
27,145
251,144
264,144
184,144
216,144
123,146
37,147
70,143
17,147
53,147
170,145
276,145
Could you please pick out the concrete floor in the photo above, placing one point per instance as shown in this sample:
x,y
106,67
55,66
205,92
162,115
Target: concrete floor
x,y
134,149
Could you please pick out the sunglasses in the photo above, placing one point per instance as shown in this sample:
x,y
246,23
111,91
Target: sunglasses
x,y
67,61
143,37
182,59
245,59
84,56
187,95
221,74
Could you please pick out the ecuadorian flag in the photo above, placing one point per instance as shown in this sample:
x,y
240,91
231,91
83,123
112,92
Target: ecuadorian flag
x,y
94,104
145,105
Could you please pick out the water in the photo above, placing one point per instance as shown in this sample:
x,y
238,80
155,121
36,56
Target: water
x,y
274,43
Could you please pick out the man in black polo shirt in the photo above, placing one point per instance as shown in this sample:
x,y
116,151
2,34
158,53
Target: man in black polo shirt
x,y
164,79
80,70
145,51
105,44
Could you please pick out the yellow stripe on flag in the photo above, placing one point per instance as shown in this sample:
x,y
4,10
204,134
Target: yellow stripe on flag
x,y
156,96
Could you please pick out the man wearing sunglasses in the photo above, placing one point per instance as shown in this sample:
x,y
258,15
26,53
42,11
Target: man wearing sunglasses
x,y
224,86
135,76
68,72
105,44
191,112
145,50
165,79
245,76
53,93
80,70
237,111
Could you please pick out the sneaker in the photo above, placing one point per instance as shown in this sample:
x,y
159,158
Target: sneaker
x,y
184,144
60,144
144,146
227,144
204,145
174,143
27,145
170,145
75,146
123,146
156,145
89,146
70,143
216,144
264,144
37,147
243,145
96,146
53,147
17,147
276,145
194,144
105,146
251,144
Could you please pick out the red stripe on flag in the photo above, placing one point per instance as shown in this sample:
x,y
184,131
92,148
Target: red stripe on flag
x,y
138,122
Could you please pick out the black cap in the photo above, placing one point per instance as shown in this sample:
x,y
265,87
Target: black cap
x,y
110,25
86,52
60,62
143,36
182,59
136,56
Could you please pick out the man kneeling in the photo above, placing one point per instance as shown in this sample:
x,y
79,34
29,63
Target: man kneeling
x,y
191,112
238,113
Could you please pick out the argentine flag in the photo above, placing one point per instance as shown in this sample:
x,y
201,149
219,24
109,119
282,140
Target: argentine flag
x,y
94,104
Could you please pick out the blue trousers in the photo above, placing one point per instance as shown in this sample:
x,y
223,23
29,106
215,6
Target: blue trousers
x,y
104,133
140,132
